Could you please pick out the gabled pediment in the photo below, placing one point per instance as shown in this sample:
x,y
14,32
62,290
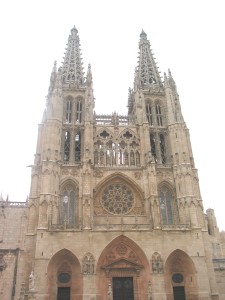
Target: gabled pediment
x,y
122,263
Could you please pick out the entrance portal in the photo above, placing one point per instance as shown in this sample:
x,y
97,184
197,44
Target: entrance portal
x,y
63,293
178,293
123,288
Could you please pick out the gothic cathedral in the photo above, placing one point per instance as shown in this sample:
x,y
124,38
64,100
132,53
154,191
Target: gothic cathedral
x,y
115,210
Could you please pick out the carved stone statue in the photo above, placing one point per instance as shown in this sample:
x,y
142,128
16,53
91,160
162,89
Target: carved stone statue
x,y
149,158
88,264
109,293
150,291
157,264
31,281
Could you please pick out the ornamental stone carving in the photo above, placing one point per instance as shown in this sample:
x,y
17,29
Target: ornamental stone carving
x,y
98,173
109,292
157,264
150,291
88,264
31,281
137,175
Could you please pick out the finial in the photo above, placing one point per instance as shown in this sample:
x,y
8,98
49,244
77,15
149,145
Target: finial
x,y
55,66
165,78
171,80
143,34
74,30
89,74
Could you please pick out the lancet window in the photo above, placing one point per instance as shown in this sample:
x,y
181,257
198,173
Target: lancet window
x,y
72,145
158,115
73,110
77,148
153,145
123,151
154,113
168,206
68,110
79,111
149,114
67,146
162,148
69,206
158,147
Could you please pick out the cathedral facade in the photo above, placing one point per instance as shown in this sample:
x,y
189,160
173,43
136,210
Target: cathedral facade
x,y
115,210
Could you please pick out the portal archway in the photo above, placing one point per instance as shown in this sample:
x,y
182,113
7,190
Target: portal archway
x,y
180,276
123,264
64,276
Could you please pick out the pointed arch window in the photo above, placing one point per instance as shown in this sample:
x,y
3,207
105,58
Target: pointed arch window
x,y
68,207
96,157
68,111
152,144
162,148
77,145
68,215
67,146
137,158
149,114
126,159
158,115
132,159
168,207
102,157
79,111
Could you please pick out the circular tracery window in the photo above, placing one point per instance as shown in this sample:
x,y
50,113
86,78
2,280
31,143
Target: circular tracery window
x,y
117,199
177,278
64,277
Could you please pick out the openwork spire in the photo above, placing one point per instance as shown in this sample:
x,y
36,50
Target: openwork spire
x,y
72,70
147,72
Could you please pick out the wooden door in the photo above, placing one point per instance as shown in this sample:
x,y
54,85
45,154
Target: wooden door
x,y
123,288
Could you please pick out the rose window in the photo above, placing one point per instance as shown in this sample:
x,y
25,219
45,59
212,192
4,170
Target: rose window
x,y
117,199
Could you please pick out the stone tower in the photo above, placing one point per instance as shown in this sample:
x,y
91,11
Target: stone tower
x,y
115,210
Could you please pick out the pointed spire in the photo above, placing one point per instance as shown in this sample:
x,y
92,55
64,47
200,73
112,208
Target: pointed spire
x,y
58,82
166,83
171,80
89,75
72,69
130,101
53,77
147,71
174,113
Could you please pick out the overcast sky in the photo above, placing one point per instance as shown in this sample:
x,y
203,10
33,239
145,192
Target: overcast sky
x,y
186,36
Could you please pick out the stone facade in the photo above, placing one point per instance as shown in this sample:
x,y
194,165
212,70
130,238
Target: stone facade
x,y
115,210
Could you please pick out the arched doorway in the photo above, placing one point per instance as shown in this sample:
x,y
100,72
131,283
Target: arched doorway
x,y
180,277
64,276
123,270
